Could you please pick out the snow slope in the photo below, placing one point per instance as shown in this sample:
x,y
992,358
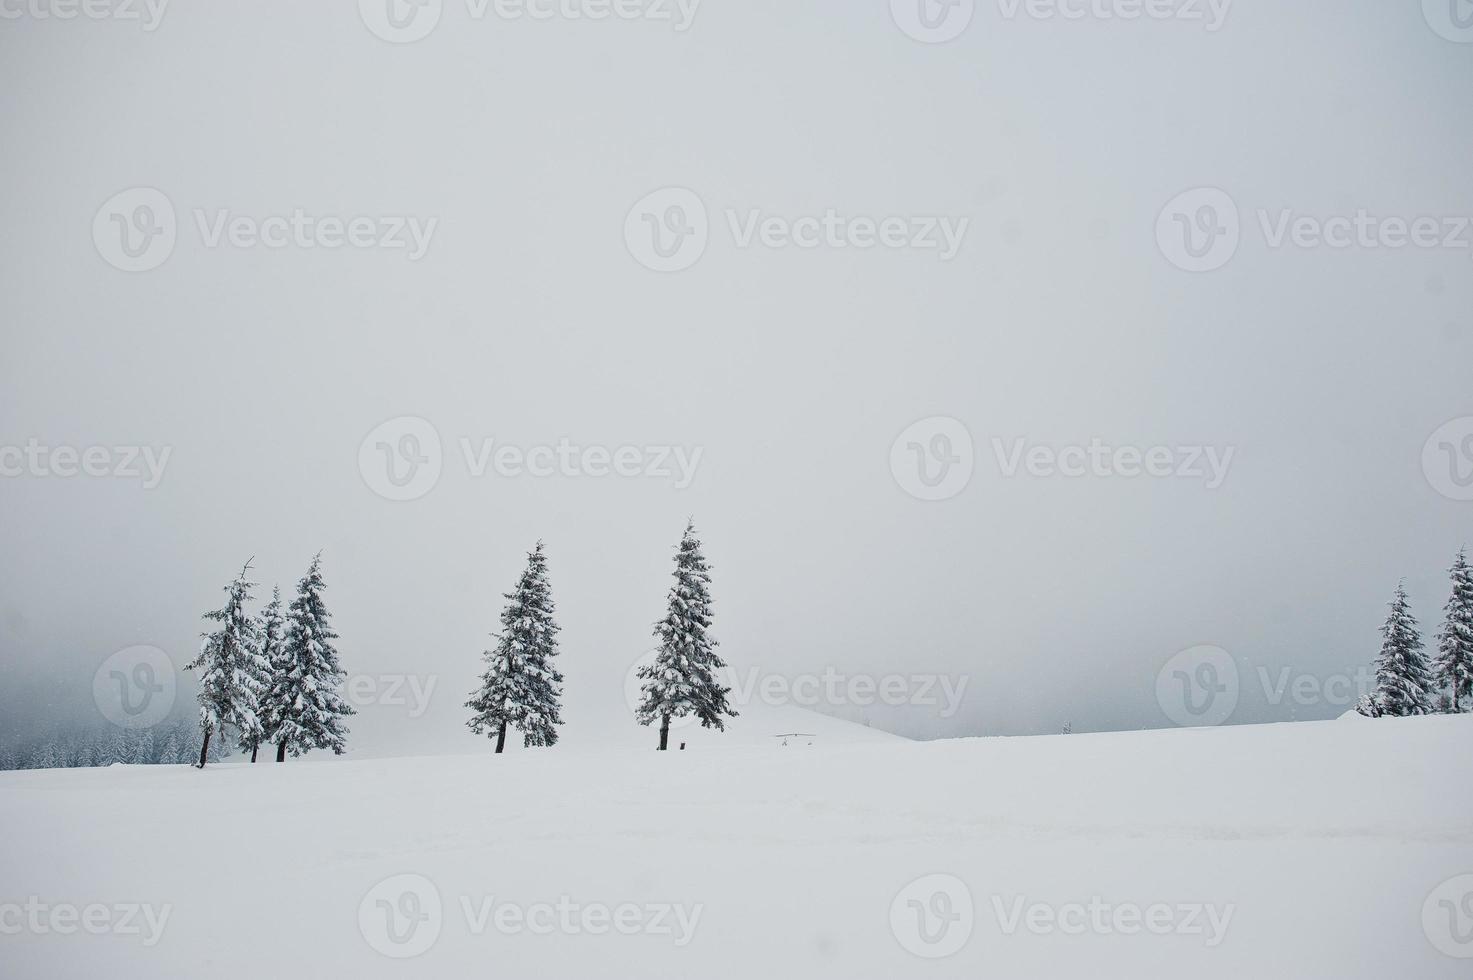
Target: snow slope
x,y
1308,850
432,721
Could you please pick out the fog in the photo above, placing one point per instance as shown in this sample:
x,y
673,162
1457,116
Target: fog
x,y
500,294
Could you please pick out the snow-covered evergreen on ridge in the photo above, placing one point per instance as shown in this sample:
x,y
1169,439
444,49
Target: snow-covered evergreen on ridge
x,y
1454,659
682,679
1403,680
520,687
306,689
231,669
272,628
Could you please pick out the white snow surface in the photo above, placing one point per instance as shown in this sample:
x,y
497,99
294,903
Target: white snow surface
x,y
1322,841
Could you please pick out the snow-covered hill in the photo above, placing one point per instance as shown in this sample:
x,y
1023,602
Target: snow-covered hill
x,y
432,721
1289,851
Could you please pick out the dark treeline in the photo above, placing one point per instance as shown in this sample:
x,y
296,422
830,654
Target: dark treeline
x,y
80,745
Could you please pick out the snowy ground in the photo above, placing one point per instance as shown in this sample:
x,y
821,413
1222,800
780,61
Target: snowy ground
x,y
1292,851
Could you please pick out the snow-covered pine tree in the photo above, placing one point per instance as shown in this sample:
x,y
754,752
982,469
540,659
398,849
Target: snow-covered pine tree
x,y
307,691
114,749
230,668
272,629
520,687
171,751
1403,681
682,680
140,747
1454,660
44,756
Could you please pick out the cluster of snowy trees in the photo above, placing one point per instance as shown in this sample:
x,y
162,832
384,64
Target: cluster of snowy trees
x,y
65,747
272,678
1408,682
520,688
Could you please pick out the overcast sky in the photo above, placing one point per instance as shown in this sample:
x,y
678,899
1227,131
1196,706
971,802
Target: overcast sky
x,y
523,153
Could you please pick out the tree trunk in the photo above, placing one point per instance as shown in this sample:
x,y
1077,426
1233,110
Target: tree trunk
x,y
664,732
501,738
281,752
204,748
254,749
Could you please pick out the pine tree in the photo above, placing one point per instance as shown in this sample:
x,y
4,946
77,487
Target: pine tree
x,y
171,752
305,691
272,629
140,747
230,668
1454,660
115,749
682,680
520,687
1403,681
44,756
